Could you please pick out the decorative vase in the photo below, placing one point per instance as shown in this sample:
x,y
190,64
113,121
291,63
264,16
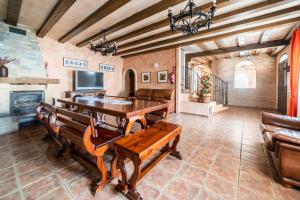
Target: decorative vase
x,y
3,71
205,98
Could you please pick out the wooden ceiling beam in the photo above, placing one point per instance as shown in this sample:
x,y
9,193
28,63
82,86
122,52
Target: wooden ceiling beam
x,y
247,47
217,19
143,14
13,11
159,24
212,30
57,12
108,8
217,37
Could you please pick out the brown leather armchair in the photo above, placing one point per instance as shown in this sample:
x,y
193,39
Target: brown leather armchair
x,y
281,134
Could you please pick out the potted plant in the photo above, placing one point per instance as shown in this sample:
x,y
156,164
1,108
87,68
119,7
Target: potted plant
x,y
3,68
204,92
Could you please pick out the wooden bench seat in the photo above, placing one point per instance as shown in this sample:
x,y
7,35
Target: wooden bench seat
x,y
78,130
141,146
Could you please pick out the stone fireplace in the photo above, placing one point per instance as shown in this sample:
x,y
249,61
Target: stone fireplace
x,y
19,98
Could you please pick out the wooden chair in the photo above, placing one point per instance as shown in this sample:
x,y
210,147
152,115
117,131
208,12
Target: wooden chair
x,y
141,146
81,130
42,114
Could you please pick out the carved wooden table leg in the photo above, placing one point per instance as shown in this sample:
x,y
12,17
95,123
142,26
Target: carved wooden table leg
x,y
123,183
174,151
132,192
102,168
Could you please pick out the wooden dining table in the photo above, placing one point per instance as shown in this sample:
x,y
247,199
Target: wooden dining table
x,y
126,110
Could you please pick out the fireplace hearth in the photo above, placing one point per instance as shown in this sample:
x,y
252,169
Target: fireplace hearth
x,y
25,102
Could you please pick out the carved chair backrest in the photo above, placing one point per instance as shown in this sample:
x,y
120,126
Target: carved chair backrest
x,y
44,109
64,119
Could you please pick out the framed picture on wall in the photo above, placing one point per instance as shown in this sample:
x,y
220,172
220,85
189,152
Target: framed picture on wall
x,y
162,76
69,62
106,67
146,77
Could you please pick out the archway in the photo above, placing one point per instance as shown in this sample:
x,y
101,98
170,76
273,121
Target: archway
x,y
129,82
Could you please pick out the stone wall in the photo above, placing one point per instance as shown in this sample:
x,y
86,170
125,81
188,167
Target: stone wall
x,y
265,93
23,48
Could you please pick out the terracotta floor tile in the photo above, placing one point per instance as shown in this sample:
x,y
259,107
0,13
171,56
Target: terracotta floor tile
x,y
36,174
228,161
228,174
257,184
70,172
254,157
208,153
61,162
30,165
106,194
26,156
81,185
8,186
59,193
158,178
208,195
148,192
12,196
193,174
171,163
221,187
181,189
39,188
246,194
200,162
6,162
6,173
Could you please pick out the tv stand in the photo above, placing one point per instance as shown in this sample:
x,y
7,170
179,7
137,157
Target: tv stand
x,y
71,94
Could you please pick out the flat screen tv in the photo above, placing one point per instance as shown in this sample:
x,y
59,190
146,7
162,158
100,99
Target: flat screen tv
x,y
85,80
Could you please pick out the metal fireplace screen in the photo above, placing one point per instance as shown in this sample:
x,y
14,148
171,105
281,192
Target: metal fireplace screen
x,y
25,102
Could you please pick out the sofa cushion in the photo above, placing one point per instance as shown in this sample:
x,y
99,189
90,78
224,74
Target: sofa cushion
x,y
162,94
144,94
279,130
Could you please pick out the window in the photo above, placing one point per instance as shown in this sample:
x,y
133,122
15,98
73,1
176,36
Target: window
x,y
245,75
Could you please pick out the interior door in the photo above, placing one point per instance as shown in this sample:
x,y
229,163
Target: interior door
x,y
282,87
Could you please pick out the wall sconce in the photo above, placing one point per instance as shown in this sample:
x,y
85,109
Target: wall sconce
x,y
155,65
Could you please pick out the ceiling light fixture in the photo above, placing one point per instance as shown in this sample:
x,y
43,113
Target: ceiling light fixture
x,y
191,19
104,47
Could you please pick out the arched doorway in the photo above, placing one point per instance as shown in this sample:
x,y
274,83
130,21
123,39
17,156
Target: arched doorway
x,y
129,82
283,83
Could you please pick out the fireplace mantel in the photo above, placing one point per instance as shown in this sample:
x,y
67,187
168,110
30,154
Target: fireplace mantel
x,y
40,81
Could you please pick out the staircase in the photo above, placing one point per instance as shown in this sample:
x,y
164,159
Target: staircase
x,y
191,80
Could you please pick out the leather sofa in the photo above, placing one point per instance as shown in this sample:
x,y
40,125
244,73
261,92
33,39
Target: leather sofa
x,y
281,134
164,95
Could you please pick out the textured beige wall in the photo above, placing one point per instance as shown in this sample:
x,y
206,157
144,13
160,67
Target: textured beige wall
x,y
53,53
265,93
143,63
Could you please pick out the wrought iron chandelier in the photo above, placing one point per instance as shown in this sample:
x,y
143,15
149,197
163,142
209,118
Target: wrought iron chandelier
x,y
191,18
104,47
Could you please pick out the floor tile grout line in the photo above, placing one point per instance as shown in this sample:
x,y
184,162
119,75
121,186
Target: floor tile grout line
x,y
16,172
55,169
175,175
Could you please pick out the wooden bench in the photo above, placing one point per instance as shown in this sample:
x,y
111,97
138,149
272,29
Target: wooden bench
x,y
77,130
141,146
42,114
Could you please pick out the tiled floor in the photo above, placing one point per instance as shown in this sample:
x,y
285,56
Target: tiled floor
x,y
223,159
